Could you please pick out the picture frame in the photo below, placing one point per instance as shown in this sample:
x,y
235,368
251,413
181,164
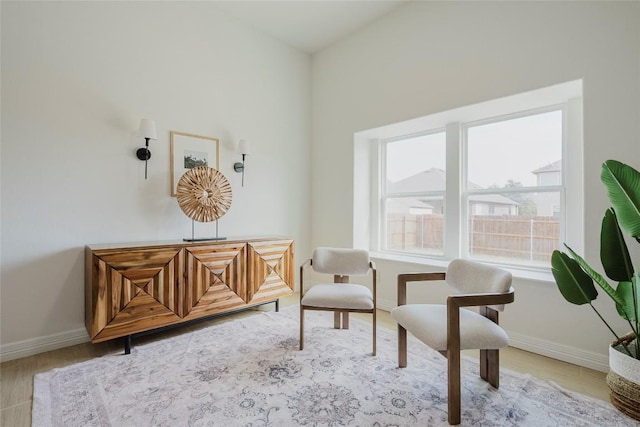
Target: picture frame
x,y
189,150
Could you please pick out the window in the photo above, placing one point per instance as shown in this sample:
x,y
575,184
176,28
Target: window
x,y
414,190
493,182
514,181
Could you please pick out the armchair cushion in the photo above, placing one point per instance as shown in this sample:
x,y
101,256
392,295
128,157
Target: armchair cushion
x,y
338,295
471,277
428,323
341,261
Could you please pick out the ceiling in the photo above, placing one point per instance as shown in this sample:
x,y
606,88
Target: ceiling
x,y
309,26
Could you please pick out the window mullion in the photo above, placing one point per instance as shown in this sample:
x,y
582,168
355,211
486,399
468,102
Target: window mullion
x,y
452,219
381,188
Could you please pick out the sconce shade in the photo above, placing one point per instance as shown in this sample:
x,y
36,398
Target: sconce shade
x,y
147,129
243,147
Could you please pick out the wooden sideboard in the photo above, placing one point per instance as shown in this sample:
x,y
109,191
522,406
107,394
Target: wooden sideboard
x,y
137,287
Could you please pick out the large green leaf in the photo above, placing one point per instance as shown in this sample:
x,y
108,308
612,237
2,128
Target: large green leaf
x,y
623,187
574,284
613,250
597,277
629,292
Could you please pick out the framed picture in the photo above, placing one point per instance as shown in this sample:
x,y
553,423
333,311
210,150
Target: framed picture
x,y
188,151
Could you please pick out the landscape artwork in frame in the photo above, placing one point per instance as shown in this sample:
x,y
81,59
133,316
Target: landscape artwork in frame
x,y
188,151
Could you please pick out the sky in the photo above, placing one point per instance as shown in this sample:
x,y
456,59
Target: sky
x,y
498,152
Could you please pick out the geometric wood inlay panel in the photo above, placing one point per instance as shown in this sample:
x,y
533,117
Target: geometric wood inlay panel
x,y
270,269
154,271
215,279
115,291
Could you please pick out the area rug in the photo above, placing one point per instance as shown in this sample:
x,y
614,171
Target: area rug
x,y
249,372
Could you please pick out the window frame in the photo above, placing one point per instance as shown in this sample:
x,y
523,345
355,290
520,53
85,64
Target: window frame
x,y
367,156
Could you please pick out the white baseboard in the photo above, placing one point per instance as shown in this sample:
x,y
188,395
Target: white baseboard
x,y
596,361
576,356
38,345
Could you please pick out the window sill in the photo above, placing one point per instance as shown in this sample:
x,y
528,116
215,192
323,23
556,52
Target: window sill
x,y
539,275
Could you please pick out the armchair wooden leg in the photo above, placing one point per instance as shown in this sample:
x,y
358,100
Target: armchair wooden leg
x,y
374,332
402,347
345,320
493,367
336,320
301,328
490,366
490,359
483,365
453,361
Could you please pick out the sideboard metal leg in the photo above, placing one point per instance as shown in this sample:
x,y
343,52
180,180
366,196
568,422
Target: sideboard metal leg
x,y
127,344
277,305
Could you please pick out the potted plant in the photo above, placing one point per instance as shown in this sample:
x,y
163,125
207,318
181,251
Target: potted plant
x,y
575,280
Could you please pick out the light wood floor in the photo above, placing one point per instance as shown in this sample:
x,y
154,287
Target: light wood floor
x,y
16,376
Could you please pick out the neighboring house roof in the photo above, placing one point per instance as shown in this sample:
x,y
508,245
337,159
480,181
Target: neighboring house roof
x,y
434,179
551,167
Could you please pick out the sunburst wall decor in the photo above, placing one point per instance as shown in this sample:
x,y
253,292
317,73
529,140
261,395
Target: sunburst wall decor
x,y
204,194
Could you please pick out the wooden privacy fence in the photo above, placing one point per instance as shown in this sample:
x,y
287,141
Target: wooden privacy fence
x,y
509,236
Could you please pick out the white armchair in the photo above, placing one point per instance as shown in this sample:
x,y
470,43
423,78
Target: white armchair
x,y
339,296
450,328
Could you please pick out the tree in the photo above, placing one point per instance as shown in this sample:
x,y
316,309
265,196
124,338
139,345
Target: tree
x,y
526,206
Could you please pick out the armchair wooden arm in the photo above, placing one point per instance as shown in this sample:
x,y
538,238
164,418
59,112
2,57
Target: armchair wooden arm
x,y
302,267
483,300
374,282
405,278
480,299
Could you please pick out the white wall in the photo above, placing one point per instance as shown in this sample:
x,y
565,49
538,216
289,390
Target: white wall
x,y
428,57
76,79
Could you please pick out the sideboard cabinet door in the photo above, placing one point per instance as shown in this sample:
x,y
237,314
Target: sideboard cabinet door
x,y
270,270
215,279
133,291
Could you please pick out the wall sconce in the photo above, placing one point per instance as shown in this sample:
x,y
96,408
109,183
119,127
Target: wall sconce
x,y
147,130
244,149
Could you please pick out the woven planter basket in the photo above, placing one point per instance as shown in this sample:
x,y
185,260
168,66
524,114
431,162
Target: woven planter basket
x,y
624,382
